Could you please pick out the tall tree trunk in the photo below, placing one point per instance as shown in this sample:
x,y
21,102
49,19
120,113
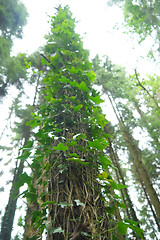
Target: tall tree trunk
x,y
145,124
8,218
136,154
120,177
124,192
150,205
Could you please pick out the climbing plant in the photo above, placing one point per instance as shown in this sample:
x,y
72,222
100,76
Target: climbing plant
x,y
71,193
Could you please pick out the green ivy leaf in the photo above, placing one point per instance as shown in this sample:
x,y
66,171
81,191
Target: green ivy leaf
x,y
64,79
121,186
99,145
79,136
103,175
86,234
73,70
91,76
74,84
72,143
56,230
73,155
77,108
101,120
70,98
63,204
122,227
79,160
47,203
96,99
61,147
131,222
137,230
23,178
105,161
79,203
122,205
83,87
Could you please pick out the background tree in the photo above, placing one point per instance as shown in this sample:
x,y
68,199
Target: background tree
x,y
13,17
122,93
22,114
143,18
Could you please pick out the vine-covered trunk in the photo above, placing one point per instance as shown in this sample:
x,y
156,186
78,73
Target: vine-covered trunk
x,y
79,206
71,179
70,144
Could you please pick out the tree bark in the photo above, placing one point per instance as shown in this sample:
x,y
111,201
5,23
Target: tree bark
x,y
8,218
136,154
124,192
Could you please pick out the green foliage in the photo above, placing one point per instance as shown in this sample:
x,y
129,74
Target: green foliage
x,y
5,46
12,18
142,17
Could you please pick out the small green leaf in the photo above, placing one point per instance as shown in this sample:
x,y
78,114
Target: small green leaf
x,y
70,98
64,80
96,99
86,234
61,147
137,230
73,70
101,120
83,87
131,222
72,143
98,144
121,186
103,175
47,203
63,204
23,178
56,230
74,84
79,136
79,203
122,205
105,162
122,227
74,155
91,76
77,108
79,160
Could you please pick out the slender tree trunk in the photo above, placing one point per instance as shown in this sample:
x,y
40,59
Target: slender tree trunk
x,y
8,218
150,204
136,154
124,192
120,177
145,123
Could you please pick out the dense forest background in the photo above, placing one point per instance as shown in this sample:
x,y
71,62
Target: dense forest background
x,y
66,171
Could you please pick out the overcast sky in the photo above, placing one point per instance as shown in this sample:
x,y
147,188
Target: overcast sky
x,y
100,25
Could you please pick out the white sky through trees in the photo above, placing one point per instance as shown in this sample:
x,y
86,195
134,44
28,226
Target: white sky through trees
x,y
96,24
